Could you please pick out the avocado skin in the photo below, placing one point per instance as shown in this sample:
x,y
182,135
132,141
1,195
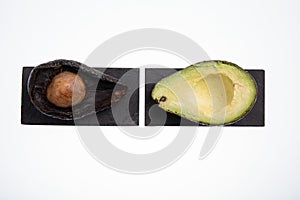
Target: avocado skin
x,y
199,65
99,87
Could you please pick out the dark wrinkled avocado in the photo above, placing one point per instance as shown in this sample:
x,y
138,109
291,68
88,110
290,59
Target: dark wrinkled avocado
x,y
209,92
67,89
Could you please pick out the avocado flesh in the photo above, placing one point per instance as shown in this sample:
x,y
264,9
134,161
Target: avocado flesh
x,y
210,92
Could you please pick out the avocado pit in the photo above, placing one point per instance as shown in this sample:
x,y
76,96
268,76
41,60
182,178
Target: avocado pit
x,y
66,89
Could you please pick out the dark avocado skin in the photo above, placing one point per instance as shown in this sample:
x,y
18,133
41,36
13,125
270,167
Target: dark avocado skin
x,y
99,89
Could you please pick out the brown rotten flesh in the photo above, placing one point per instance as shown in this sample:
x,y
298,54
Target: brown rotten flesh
x,y
66,89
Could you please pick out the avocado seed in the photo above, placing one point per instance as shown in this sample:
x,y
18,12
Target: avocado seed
x,y
66,89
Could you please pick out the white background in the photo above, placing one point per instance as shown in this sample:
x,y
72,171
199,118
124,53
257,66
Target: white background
x,y
48,162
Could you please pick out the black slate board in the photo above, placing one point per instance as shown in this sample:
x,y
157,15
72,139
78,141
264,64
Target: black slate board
x,y
128,113
256,117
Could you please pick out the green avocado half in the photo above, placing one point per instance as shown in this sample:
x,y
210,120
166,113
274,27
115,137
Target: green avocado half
x,y
209,92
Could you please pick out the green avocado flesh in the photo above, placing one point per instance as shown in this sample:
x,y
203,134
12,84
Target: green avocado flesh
x,y
210,92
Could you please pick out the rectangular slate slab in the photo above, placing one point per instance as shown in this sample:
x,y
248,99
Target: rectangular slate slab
x,y
256,117
127,110
30,115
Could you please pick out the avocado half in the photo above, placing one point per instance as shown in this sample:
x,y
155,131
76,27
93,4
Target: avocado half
x,y
210,92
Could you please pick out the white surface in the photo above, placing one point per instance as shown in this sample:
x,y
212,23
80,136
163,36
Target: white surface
x,y
46,162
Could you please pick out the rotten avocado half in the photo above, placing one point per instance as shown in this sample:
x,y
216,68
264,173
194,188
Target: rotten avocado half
x,y
209,92
68,90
